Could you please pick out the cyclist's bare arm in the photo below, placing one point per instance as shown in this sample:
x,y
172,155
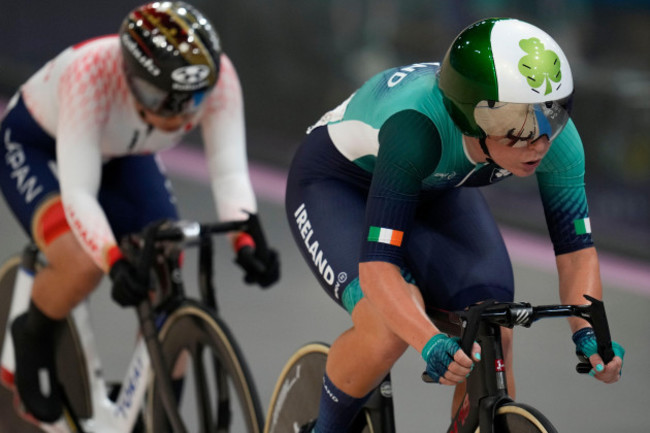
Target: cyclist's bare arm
x,y
401,307
398,302
579,274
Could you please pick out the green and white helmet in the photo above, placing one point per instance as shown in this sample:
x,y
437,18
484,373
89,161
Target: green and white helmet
x,y
506,78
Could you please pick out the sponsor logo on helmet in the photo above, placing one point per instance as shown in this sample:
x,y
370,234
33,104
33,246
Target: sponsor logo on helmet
x,y
146,62
539,66
189,78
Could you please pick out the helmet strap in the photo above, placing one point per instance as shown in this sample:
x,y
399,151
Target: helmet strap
x,y
485,150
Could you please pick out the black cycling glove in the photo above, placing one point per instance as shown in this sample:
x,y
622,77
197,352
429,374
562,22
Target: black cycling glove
x,y
128,289
263,269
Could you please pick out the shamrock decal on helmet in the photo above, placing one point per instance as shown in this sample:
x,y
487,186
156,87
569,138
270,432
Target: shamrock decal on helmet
x,y
539,66
497,62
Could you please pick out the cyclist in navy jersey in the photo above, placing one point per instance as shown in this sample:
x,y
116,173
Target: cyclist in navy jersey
x,y
380,204
80,140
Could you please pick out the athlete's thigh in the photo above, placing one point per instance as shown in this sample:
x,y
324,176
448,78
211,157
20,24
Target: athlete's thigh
x,y
456,252
135,192
326,219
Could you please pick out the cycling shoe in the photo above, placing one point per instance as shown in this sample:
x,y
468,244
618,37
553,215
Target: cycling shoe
x,y
35,377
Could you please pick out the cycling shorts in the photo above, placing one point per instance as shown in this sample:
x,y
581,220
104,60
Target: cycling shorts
x,y
452,265
133,192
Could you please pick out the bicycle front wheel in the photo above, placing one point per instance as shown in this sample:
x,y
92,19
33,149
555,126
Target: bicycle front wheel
x,y
521,418
296,396
214,387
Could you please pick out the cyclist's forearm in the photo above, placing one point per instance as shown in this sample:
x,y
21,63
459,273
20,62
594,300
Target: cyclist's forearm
x,y
579,275
399,303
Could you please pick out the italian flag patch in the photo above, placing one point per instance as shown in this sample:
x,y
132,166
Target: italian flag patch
x,y
385,236
582,226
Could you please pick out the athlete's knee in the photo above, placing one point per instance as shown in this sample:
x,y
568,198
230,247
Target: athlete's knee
x,y
70,267
386,349
390,350
386,346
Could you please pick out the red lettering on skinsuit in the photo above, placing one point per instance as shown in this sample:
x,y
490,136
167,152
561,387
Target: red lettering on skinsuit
x,y
83,233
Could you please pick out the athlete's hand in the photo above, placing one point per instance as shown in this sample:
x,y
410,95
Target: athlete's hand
x,y
127,290
447,364
586,344
263,269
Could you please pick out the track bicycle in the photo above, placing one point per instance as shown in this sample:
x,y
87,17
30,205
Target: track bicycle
x,y
186,373
486,406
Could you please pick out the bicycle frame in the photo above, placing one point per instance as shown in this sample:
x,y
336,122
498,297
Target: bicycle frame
x,y
107,416
120,416
487,388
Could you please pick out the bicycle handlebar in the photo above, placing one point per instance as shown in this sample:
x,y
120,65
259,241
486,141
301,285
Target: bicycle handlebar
x,y
191,233
513,314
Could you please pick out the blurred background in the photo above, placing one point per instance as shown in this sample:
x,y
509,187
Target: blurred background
x,y
297,59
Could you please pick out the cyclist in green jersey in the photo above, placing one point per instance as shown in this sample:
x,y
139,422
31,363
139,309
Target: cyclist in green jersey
x,y
378,204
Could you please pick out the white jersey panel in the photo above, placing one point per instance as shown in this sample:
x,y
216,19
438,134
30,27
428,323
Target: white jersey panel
x,y
224,137
81,98
354,139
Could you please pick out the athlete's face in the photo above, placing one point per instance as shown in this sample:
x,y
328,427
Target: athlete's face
x,y
519,157
164,123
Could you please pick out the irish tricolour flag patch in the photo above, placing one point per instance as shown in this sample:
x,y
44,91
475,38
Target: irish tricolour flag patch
x,y
385,236
582,226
